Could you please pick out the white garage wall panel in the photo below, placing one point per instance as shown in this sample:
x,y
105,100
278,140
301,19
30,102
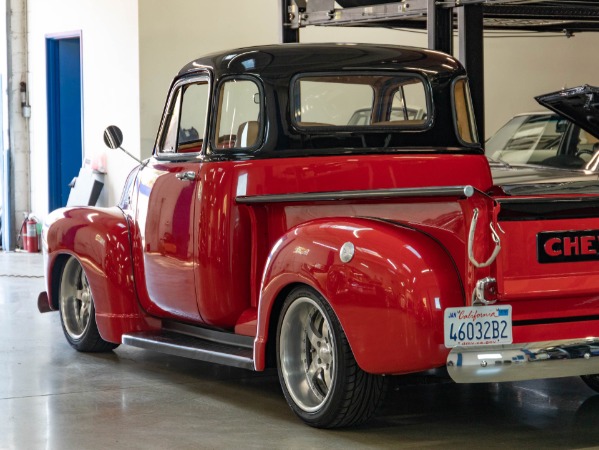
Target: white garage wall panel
x,y
133,48
175,32
517,69
110,83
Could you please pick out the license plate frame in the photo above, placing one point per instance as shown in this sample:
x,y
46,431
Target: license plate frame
x,y
467,326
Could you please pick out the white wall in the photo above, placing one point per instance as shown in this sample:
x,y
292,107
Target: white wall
x,y
517,69
110,74
175,32
133,48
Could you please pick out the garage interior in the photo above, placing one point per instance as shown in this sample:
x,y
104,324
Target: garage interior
x,y
53,397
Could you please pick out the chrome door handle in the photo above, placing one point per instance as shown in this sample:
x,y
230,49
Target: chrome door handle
x,y
186,176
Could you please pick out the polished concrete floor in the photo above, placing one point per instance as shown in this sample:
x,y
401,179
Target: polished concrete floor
x,y
52,397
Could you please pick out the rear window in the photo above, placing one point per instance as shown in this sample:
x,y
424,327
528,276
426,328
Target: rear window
x,y
371,100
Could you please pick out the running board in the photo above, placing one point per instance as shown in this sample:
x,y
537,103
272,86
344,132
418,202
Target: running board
x,y
237,354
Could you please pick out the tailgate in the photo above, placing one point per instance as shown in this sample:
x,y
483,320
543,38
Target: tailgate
x,y
550,249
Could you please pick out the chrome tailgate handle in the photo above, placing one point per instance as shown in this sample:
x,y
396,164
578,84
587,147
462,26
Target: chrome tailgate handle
x,y
186,176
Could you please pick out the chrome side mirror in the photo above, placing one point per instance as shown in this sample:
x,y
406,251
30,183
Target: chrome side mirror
x,y
113,138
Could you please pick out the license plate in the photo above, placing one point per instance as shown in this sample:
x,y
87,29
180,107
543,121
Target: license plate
x,y
478,325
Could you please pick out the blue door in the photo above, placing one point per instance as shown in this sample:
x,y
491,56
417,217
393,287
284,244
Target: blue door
x,y
63,68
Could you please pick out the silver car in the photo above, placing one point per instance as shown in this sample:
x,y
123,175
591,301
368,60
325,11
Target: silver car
x,y
561,145
545,139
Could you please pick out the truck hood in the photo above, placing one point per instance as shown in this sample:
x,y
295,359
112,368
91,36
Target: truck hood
x,y
579,104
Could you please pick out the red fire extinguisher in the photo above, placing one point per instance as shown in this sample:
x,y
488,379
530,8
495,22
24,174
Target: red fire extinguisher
x,y
30,242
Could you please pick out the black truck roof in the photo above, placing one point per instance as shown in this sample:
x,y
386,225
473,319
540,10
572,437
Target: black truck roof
x,y
285,60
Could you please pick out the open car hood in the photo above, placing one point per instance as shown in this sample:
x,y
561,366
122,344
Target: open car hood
x,y
579,104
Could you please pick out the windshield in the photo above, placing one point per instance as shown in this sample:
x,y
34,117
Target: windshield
x,y
546,140
528,139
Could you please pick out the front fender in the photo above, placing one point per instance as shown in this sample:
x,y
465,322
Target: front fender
x,y
99,239
389,298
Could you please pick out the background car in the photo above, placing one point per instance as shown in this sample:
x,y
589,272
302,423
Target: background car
x,y
547,147
544,138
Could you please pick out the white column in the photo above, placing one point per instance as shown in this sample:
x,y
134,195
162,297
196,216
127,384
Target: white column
x,y
18,125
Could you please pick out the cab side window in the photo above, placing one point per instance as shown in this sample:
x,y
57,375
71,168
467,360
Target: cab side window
x,y
185,126
463,112
238,124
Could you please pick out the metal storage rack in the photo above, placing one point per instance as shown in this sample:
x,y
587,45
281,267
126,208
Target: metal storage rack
x,y
441,18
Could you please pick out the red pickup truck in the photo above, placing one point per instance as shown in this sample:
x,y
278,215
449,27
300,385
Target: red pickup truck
x,y
328,210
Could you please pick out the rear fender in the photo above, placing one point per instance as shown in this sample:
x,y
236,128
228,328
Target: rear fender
x,y
99,239
389,297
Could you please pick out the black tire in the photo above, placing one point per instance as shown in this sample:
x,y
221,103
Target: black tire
x,y
318,373
77,311
592,381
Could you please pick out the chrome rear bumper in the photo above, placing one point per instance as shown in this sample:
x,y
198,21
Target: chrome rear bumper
x,y
515,362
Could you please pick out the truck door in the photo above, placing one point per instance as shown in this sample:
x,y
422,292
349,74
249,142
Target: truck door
x,y
167,192
225,239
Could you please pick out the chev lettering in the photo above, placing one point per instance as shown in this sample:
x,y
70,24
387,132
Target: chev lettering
x,y
568,246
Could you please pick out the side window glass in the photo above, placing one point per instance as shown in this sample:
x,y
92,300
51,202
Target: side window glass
x,y
238,123
409,103
185,124
464,114
194,111
169,143
587,145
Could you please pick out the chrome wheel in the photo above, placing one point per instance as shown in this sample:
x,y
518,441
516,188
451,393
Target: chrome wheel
x,y
77,311
307,354
319,375
75,300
